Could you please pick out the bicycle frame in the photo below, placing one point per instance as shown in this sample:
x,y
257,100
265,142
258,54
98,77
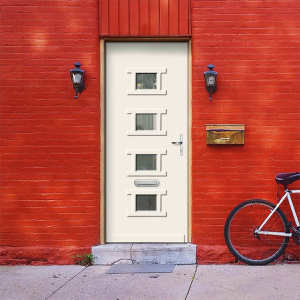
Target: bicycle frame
x,y
286,195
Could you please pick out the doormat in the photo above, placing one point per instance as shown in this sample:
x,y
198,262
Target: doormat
x,y
128,269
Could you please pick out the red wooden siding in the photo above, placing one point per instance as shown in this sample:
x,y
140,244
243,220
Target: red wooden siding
x,y
144,18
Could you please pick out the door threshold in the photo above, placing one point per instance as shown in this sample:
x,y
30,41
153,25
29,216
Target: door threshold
x,y
110,254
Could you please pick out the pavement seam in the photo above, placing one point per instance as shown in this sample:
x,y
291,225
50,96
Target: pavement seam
x,y
193,278
131,254
65,283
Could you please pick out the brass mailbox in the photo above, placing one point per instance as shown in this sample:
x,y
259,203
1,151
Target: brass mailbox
x,y
221,134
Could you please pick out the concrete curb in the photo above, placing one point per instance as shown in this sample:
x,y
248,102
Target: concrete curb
x,y
179,254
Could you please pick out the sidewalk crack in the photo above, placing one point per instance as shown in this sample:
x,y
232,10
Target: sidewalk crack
x,y
131,253
193,278
65,283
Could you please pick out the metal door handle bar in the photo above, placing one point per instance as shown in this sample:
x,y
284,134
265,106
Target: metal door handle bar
x,y
179,143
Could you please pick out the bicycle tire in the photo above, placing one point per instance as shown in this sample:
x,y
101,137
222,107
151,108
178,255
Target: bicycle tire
x,y
239,232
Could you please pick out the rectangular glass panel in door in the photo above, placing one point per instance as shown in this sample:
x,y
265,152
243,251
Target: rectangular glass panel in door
x,y
145,202
145,162
146,81
145,121
155,74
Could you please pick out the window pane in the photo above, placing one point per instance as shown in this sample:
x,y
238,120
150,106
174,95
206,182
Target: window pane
x,y
145,122
145,202
145,162
146,81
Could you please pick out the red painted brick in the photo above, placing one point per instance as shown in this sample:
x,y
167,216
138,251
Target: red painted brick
x,y
257,86
50,143
49,187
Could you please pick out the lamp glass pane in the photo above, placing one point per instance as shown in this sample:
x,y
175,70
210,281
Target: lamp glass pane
x,y
77,78
206,79
211,80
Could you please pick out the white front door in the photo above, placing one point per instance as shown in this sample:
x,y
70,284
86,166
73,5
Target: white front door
x,y
146,142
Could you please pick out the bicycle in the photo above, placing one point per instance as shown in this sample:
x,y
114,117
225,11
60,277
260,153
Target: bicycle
x,y
257,231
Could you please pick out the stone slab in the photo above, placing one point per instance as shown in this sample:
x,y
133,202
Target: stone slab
x,y
93,283
33,282
110,254
222,282
130,269
180,254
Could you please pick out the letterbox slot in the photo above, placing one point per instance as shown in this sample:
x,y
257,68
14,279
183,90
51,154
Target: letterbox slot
x,y
223,134
146,182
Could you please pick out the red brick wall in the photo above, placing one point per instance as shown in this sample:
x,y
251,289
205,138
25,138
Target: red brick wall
x,y
254,46
49,141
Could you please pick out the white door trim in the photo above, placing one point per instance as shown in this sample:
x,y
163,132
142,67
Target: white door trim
x,y
103,129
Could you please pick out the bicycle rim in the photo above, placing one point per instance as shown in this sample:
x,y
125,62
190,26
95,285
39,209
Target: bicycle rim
x,y
241,225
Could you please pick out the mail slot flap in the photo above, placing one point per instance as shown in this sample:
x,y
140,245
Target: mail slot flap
x,y
146,182
220,134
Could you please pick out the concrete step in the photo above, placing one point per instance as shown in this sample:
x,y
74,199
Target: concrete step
x,y
110,254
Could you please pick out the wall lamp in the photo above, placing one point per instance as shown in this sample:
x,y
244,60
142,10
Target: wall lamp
x,y
210,77
77,77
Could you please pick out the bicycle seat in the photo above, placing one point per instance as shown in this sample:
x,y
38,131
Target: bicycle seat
x,y
287,178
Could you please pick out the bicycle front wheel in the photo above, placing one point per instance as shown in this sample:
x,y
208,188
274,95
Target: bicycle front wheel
x,y
240,227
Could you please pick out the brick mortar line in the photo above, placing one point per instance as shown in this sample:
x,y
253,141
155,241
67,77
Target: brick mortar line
x,y
65,283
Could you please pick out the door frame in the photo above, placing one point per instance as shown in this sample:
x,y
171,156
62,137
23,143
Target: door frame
x,y
103,128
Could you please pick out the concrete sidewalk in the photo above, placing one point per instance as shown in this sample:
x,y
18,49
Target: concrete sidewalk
x,y
185,282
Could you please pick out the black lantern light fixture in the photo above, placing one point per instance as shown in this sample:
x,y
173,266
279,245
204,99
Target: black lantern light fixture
x,y
77,77
210,77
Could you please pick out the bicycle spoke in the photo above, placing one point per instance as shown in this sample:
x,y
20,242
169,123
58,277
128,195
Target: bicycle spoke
x,y
240,232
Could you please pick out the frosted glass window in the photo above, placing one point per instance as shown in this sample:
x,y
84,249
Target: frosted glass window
x,y
145,162
145,202
146,81
145,122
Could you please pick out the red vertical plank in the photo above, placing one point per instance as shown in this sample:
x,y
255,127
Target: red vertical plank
x,y
144,17
154,17
189,17
103,13
164,17
114,17
173,17
134,17
184,16
124,17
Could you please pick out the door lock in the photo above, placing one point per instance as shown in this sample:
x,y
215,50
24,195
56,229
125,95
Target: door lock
x,y
179,143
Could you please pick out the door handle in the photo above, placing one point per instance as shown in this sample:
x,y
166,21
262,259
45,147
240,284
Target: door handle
x,y
179,143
